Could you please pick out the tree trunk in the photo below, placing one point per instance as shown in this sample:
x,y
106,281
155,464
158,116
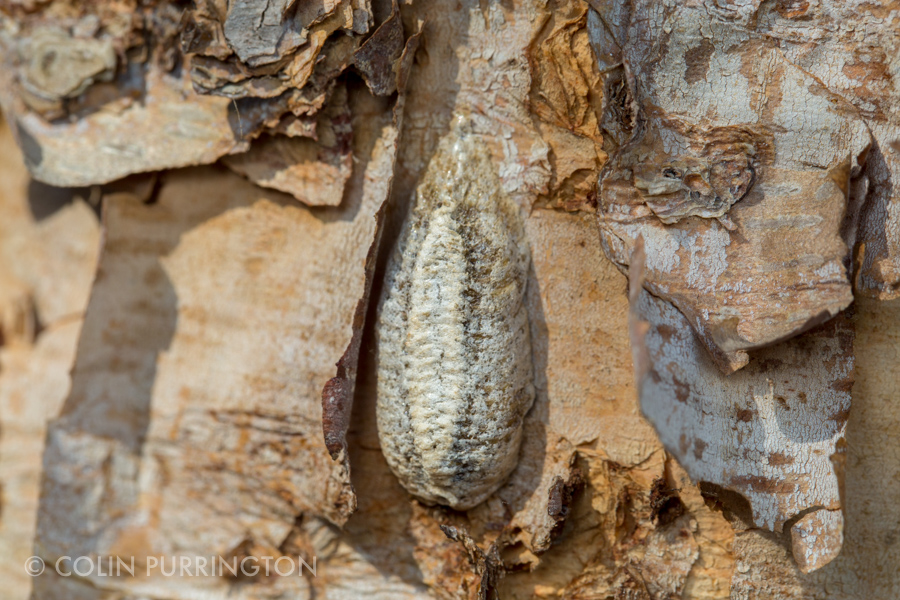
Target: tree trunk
x,y
693,206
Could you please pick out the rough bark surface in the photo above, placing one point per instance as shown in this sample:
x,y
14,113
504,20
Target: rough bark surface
x,y
768,432
188,373
49,240
724,146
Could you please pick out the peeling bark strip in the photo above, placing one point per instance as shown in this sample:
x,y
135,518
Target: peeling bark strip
x,y
766,432
170,87
337,394
377,58
453,340
488,565
207,404
732,162
560,497
567,97
268,48
313,167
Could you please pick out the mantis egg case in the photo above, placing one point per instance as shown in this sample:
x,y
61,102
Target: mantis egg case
x,y
454,361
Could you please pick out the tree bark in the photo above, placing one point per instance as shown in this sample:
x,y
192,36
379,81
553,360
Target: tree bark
x,y
199,201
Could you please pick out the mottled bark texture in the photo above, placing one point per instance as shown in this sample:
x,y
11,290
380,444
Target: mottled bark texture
x,y
176,362
718,124
759,433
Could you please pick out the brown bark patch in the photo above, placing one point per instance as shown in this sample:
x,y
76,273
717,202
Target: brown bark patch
x,y
778,459
697,61
745,415
699,447
792,9
763,484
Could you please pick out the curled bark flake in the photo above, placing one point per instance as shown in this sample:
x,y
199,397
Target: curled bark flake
x,y
377,58
705,181
488,565
816,539
315,167
562,494
56,66
337,394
